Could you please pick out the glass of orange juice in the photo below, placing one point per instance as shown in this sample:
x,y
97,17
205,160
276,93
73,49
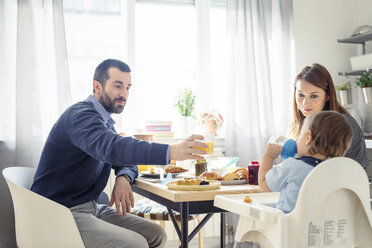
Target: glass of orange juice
x,y
209,140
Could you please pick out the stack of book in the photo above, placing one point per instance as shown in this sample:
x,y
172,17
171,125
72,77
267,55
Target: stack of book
x,y
159,128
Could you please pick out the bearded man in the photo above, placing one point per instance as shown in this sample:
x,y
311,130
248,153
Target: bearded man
x,y
80,152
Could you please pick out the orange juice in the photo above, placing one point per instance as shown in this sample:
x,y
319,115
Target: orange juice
x,y
209,149
144,167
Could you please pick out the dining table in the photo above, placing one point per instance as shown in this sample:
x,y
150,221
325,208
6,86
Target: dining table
x,y
189,203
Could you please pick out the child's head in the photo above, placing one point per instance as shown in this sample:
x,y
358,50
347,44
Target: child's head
x,y
326,133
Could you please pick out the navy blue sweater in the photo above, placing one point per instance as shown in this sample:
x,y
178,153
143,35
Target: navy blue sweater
x,y
81,151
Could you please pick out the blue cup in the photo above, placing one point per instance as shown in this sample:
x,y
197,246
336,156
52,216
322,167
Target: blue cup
x,y
289,149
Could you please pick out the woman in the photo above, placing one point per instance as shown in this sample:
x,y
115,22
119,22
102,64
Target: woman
x,y
314,92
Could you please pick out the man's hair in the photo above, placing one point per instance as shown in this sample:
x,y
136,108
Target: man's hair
x,y
102,71
331,133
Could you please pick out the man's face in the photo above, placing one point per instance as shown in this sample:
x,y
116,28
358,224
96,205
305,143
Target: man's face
x,y
116,91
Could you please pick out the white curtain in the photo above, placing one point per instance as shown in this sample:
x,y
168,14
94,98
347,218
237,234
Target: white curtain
x,y
34,76
261,74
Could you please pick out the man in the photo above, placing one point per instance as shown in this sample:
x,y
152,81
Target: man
x,y
80,152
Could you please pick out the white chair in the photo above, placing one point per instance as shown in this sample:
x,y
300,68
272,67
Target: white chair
x,y
40,222
332,210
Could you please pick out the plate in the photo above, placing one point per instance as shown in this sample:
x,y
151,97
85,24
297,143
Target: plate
x,y
233,182
144,174
212,185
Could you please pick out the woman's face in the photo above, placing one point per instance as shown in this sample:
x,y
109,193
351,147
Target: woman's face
x,y
309,98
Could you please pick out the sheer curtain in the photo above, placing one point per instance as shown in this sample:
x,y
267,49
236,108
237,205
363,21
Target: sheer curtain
x,y
34,75
261,68
34,88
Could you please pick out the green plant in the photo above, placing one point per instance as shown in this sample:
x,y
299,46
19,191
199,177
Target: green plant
x,y
185,102
364,81
345,86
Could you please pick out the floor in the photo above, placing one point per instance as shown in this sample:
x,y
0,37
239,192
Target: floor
x,y
209,242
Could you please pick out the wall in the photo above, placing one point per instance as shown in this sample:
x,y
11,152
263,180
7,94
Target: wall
x,y
317,26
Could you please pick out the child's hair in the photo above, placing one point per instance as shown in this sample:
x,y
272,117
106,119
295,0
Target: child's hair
x,y
331,133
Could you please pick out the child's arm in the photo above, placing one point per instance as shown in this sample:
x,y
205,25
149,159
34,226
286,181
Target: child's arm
x,y
272,152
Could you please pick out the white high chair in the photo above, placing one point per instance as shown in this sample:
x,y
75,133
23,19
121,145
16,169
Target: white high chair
x,y
332,210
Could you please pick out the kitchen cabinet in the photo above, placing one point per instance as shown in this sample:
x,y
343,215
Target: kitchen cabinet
x,y
357,39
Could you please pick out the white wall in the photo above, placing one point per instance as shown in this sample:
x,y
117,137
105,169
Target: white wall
x,y
317,26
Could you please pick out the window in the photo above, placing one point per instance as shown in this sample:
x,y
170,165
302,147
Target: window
x,y
166,56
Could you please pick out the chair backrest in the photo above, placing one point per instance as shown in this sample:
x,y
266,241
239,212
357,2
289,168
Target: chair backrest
x,y
333,207
39,221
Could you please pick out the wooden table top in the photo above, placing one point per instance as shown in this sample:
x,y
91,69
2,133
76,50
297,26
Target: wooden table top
x,y
190,196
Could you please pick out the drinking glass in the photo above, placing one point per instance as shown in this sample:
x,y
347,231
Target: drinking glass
x,y
209,140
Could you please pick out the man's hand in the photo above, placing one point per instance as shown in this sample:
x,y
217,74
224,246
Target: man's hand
x,y
122,196
186,149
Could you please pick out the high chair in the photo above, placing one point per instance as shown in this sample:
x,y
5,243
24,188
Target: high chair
x,y
332,210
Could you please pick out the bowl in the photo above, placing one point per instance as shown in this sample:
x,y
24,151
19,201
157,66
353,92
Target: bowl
x,y
362,30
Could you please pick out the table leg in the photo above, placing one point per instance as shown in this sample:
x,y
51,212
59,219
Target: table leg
x,y
184,224
223,225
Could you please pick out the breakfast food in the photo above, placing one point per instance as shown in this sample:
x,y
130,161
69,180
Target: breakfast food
x,y
172,168
152,170
229,176
193,181
248,199
210,175
242,173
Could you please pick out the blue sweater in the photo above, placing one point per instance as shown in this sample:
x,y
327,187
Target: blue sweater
x,y
80,152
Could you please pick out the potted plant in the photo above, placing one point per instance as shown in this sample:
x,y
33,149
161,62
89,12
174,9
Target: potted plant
x,y
344,93
365,82
185,104
210,121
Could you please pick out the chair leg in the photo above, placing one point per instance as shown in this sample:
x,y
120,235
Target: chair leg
x,y
201,234
179,226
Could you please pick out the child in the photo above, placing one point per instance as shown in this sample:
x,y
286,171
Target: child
x,y
324,135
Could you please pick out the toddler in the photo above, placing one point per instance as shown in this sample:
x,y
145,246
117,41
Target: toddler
x,y
324,135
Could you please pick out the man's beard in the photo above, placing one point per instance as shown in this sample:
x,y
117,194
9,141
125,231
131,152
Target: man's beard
x,y
109,104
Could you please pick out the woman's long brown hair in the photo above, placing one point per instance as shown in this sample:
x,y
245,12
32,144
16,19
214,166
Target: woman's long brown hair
x,y
318,76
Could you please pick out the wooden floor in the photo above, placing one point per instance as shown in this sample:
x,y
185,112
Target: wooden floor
x,y
209,242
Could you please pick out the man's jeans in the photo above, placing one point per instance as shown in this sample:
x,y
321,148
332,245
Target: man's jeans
x,y
100,226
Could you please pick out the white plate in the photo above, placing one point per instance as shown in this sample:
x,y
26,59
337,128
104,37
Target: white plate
x,y
212,185
233,182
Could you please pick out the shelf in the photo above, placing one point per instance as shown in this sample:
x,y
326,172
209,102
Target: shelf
x,y
354,73
357,39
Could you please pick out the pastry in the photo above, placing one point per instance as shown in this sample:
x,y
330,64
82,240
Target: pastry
x,y
210,175
248,199
229,177
172,168
193,181
242,173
